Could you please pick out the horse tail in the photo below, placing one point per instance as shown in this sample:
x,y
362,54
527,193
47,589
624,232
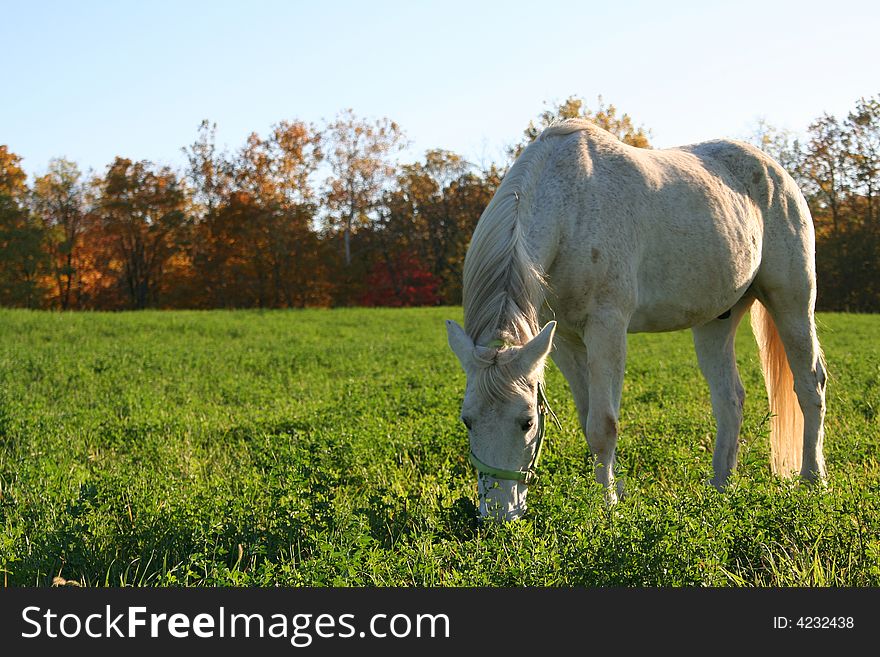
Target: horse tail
x,y
787,419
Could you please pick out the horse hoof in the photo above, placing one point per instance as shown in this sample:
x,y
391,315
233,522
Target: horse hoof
x,y
613,494
717,483
815,480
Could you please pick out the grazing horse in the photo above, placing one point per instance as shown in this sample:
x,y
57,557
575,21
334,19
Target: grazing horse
x,y
599,239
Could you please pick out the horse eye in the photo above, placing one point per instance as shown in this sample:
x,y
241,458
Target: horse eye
x,y
526,424
467,422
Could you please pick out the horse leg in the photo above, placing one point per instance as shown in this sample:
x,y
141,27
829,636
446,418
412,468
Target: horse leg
x,y
605,341
793,315
570,357
714,343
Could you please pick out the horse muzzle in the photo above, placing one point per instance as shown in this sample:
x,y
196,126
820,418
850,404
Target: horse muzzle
x,y
501,499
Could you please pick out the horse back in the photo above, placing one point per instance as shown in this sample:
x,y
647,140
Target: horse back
x,y
759,175
671,237
788,232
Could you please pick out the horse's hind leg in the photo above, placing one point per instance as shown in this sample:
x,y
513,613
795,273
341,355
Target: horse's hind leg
x,y
605,340
714,343
792,312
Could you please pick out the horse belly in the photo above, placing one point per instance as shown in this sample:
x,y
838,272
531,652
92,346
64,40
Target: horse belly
x,y
693,272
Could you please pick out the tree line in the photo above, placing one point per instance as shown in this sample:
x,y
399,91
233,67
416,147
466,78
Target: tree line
x,y
252,228
837,165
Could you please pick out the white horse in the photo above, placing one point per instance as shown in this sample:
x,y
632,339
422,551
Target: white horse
x,y
607,239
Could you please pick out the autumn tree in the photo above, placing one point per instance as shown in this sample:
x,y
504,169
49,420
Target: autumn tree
x,y
359,154
782,145
425,223
862,139
824,166
141,212
254,239
605,116
210,174
59,199
21,256
276,202
13,179
836,165
436,216
209,171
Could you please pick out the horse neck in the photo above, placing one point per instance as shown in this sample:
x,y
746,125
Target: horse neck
x,y
507,313
503,283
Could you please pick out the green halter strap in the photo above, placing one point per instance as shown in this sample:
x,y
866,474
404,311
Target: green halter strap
x,y
529,475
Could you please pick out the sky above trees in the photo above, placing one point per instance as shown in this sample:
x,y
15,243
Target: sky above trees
x,y
90,81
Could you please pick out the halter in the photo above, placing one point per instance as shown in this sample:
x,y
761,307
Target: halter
x,y
530,474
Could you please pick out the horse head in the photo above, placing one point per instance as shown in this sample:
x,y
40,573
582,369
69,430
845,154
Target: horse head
x,y
503,410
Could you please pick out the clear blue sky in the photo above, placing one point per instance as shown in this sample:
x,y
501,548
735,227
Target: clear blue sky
x,y
90,80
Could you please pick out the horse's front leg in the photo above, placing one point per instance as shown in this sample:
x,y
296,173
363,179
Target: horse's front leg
x,y
605,341
570,357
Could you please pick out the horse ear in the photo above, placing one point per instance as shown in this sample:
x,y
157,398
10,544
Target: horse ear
x,y
460,343
533,354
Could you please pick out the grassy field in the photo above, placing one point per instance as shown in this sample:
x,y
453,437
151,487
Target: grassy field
x,y
324,448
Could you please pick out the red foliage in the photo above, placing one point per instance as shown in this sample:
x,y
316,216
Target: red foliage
x,y
405,283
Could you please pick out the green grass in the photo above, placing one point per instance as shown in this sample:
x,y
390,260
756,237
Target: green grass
x,y
324,448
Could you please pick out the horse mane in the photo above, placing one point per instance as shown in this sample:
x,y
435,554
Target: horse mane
x,y
503,286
